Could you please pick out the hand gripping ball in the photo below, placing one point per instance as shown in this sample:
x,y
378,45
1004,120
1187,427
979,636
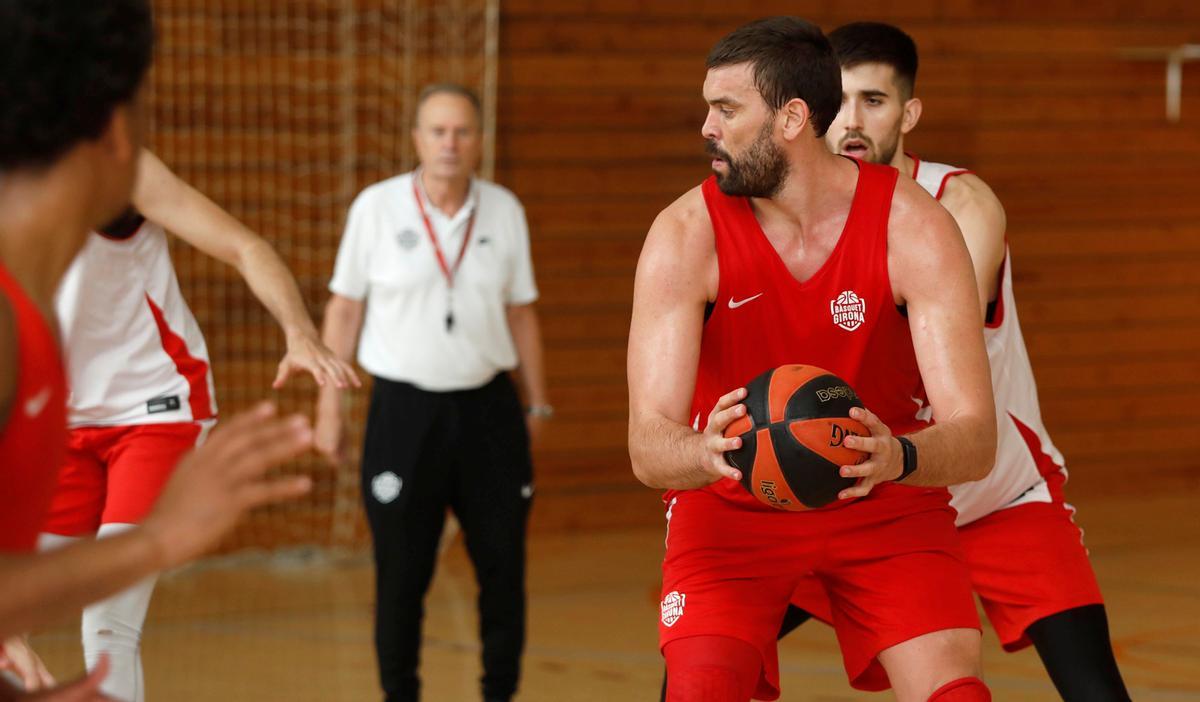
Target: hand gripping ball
x,y
793,435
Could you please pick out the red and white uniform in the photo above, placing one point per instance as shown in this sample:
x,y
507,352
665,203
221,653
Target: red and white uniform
x,y
890,563
1025,455
135,354
1025,552
34,434
141,386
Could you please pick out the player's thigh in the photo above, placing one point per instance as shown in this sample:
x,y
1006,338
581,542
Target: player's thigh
x,y
919,666
893,582
1028,563
729,572
140,463
78,500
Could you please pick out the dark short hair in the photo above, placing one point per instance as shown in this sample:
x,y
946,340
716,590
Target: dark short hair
x,y
451,89
791,59
65,65
875,42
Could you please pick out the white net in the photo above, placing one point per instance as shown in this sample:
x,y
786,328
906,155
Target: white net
x,y
281,111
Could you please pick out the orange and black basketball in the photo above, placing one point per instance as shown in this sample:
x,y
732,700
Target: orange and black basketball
x,y
792,434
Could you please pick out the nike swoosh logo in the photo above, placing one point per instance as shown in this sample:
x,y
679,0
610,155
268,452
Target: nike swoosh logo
x,y
37,403
734,305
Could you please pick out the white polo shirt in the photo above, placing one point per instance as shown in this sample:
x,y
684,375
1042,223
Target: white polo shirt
x,y
387,259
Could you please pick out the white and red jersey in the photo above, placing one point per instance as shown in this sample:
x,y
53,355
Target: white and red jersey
x,y
135,354
1024,452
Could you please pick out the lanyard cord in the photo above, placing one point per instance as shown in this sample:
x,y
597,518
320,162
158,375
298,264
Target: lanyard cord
x,y
447,271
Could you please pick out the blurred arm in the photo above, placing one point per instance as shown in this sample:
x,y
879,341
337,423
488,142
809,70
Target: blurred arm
x,y
527,336
163,198
339,332
981,218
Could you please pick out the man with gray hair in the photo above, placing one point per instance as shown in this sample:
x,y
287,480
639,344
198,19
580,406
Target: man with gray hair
x,y
434,269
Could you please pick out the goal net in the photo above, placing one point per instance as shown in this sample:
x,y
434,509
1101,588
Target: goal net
x,y
282,111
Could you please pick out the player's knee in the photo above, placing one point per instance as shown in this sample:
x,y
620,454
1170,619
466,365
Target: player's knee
x,y
920,668
111,639
103,631
711,669
962,690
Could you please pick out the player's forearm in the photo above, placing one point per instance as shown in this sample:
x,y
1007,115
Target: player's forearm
x,y
953,451
41,589
667,455
275,287
527,336
339,332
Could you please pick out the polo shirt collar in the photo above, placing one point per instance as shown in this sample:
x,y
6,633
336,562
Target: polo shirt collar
x,y
468,207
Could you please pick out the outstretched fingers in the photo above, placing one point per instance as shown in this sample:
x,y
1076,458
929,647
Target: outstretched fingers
x,y
269,491
258,448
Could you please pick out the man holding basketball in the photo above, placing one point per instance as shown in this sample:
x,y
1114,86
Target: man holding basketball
x,y
737,277
1025,554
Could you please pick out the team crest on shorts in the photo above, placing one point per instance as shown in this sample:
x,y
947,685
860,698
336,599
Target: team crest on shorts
x,y
849,310
672,607
386,486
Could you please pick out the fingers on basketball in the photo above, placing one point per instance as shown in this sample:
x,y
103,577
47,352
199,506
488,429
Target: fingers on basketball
x,y
729,399
870,421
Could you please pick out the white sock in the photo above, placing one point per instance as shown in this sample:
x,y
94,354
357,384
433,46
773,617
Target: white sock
x,y
114,626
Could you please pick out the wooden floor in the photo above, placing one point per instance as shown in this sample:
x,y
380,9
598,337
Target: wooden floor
x,y
300,631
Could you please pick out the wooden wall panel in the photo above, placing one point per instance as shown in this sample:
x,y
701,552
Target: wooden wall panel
x,y
599,119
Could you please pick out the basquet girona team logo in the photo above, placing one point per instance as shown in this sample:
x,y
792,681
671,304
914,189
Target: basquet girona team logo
x,y
672,607
849,310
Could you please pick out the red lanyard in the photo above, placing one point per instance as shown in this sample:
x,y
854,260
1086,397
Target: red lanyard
x,y
447,271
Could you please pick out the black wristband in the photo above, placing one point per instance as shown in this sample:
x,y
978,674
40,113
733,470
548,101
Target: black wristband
x,y
910,457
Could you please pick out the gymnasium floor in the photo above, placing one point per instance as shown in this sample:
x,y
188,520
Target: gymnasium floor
x,y
301,632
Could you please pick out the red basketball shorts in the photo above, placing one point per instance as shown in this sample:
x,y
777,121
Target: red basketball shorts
x,y
113,475
889,568
1026,563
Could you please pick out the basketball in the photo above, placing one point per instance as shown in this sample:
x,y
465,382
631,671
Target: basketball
x,y
793,433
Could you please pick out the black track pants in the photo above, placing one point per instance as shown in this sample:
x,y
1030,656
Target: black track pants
x,y
424,452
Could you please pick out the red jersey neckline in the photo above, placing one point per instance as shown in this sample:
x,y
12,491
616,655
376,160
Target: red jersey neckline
x,y
777,260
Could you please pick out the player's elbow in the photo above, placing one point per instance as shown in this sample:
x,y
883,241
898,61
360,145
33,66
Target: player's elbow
x,y
639,458
641,467
252,252
641,473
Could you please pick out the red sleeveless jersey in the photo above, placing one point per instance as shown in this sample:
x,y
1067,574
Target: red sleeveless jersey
x,y
33,439
843,319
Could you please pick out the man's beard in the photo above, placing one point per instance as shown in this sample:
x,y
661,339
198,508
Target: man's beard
x,y
876,153
759,173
